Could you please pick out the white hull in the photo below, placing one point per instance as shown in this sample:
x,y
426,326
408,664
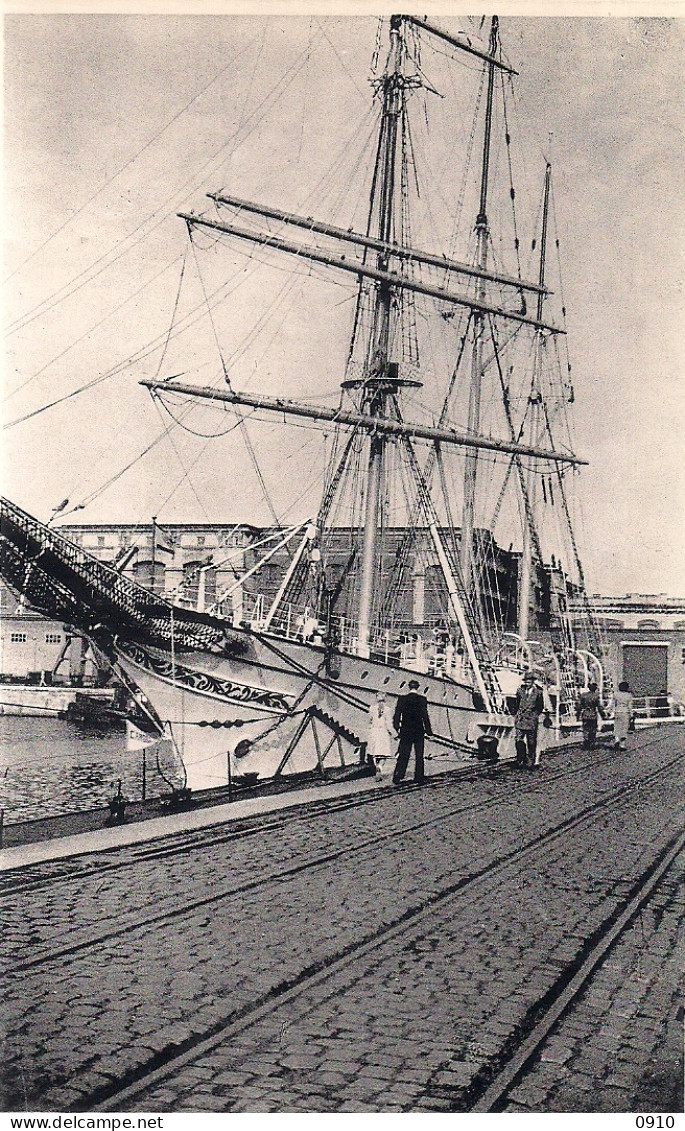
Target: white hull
x,y
212,704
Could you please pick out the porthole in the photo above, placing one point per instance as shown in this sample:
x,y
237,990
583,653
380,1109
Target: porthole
x,y
387,679
364,675
403,683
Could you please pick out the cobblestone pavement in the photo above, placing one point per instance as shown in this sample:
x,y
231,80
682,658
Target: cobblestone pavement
x,y
410,1023
620,1047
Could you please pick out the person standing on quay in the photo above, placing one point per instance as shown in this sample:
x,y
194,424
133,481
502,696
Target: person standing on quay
x,y
412,723
530,705
380,734
589,710
623,715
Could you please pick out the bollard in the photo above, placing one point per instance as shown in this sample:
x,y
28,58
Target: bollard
x,y
117,806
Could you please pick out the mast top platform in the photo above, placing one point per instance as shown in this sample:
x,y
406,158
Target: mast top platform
x,y
381,384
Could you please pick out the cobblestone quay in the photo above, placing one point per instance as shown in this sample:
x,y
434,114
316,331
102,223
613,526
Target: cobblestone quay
x,y
407,951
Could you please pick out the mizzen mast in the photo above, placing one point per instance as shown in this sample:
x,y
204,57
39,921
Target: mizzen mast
x,y
534,402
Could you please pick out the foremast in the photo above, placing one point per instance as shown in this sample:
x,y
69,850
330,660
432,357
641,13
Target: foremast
x,y
382,374
478,325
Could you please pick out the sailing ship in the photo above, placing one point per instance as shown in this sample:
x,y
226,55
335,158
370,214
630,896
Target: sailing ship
x,y
288,684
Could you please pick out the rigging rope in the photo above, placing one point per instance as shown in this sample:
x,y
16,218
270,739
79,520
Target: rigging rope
x,y
64,292
173,314
86,333
77,212
512,190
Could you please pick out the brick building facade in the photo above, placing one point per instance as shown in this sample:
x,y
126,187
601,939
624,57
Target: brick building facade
x,y
213,564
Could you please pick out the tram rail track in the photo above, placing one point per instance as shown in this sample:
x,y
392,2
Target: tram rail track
x,y
34,876
137,922
491,1089
496,1078
116,1094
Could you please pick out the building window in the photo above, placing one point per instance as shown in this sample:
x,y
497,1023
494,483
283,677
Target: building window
x,y
149,576
648,624
200,539
18,637
101,539
53,638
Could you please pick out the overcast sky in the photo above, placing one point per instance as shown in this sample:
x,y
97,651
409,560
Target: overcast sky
x,y
114,123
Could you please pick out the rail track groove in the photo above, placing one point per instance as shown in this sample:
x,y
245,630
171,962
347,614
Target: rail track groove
x,y
179,910
24,878
167,1062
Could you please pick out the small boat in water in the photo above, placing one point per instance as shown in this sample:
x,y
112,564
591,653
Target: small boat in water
x,y
94,712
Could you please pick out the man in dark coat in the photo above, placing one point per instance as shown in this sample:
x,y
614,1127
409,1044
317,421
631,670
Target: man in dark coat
x,y
529,706
412,723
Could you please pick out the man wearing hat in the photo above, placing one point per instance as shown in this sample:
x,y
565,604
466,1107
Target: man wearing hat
x,y
530,705
412,723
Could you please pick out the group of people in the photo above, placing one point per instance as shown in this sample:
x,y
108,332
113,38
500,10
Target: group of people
x,y
410,724
589,709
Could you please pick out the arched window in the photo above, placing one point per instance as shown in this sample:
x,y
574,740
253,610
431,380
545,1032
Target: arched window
x,y
143,574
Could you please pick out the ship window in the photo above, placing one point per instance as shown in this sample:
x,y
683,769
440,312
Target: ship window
x,y
18,637
364,675
53,638
387,679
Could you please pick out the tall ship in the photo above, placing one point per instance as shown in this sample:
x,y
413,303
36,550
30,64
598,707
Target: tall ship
x,y
449,439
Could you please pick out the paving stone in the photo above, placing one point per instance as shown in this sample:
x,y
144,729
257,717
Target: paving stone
x,y
378,1031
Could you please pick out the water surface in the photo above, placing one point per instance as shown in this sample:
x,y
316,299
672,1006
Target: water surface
x,y
50,766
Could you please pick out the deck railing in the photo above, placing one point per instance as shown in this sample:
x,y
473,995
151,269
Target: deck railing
x,y
407,650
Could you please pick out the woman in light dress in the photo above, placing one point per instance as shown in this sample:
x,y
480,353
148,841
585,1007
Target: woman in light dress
x,y
381,737
623,714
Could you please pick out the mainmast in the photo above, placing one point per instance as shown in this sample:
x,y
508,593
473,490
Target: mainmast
x,y
534,402
390,271
381,380
478,323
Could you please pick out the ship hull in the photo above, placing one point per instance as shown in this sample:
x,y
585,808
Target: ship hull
x,y
241,715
